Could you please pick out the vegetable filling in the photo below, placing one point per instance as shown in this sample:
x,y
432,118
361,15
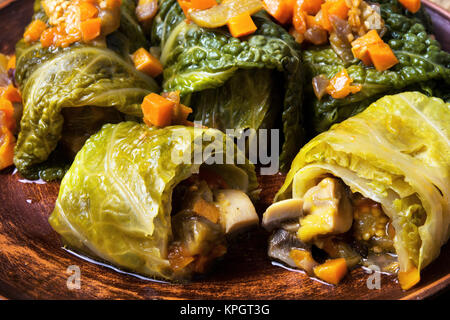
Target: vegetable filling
x,y
330,225
204,211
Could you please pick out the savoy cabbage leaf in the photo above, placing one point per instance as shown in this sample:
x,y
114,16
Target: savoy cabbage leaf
x,y
422,66
198,60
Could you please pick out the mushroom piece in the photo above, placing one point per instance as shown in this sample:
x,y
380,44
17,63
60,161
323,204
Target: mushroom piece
x,y
327,210
236,210
282,211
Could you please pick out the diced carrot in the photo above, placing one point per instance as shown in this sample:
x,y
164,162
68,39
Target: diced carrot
x,y
241,25
281,10
203,4
34,30
144,61
311,7
299,19
382,56
12,94
312,22
411,5
87,11
7,142
185,6
332,271
360,46
112,4
90,29
11,62
330,8
207,210
303,259
409,278
7,111
157,110
322,17
340,87
47,37
338,8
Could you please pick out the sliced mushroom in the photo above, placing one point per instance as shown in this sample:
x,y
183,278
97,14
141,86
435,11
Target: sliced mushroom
x,y
236,210
282,211
327,210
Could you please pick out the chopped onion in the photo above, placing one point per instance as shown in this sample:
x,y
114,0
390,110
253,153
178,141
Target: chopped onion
x,y
320,84
316,35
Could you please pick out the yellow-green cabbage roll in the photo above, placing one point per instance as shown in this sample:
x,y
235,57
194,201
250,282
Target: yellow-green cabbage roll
x,y
142,199
373,189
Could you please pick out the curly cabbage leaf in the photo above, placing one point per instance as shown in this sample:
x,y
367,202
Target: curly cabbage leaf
x,y
115,201
397,153
199,60
423,67
52,79
248,100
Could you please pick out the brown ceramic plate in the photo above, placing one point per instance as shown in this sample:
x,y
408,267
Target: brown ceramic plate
x,y
34,266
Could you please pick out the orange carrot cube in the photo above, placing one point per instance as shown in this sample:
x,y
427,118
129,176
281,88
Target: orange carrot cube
x,y
90,29
48,37
145,62
34,30
360,46
203,4
87,11
281,10
157,110
332,271
411,5
241,25
382,56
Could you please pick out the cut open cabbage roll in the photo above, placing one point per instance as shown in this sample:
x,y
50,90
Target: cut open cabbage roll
x,y
128,199
373,189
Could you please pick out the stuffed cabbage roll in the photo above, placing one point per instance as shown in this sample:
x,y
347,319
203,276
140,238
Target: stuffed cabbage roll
x,y
373,190
422,66
127,199
70,89
233,83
